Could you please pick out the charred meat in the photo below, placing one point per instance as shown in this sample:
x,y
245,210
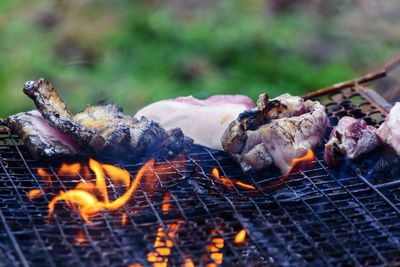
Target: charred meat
x,y
203,120
55,111
41,139
98,129
278,131
350,138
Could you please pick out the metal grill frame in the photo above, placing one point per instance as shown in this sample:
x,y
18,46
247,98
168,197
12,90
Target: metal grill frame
x,y
317,216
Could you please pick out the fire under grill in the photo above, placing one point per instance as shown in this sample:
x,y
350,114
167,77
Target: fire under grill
x,y
186,217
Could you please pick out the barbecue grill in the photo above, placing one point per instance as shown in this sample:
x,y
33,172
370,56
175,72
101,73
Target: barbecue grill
x,y
184,217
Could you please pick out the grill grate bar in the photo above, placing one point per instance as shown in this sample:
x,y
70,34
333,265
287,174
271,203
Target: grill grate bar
x,y
14,242
366,209
35,231
163,225
344,216
177,202
237,214
208,212
76,258
306,237
83,225
379,193
316,216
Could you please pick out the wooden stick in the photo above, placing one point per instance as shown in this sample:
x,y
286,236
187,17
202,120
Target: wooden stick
x,y
374,75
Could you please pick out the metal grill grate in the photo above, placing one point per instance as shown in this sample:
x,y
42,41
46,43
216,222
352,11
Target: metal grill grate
x,y
317,215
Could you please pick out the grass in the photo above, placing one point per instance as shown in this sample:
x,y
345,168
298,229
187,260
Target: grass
x,y
135,52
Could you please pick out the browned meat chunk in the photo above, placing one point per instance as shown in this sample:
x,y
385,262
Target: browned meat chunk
x,y
350,138
278,131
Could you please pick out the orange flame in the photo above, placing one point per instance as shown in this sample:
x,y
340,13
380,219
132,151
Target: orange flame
x,y
85,172
117,175
69,169
240,237
87,203
244,185
166,205
135,265
81,238
308,156
162,245
86,186
230,182
35,193
45,175
100,179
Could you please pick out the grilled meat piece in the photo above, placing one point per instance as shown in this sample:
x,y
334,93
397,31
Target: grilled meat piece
x,y
126,134
41,139
203,120
351,138
389,131
236,134
106,128
278,131
54,110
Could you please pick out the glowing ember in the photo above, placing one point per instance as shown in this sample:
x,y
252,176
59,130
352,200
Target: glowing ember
x,y
45,175
35,193
166,205
81,238
240,237
86,202
135,265
217,244
230,182
162,245
188,263
123,219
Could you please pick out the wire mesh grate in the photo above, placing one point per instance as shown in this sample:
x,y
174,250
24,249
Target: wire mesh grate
x,y
317,215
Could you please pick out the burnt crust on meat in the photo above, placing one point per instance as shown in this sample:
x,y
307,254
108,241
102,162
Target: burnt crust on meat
x,y
36,134
105,128
55,111
277,131
267,110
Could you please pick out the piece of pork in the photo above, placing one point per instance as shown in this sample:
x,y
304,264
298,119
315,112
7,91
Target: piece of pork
x,y
351,138
203,120
105,128
278,131
236,134
41,139
121,133
389,131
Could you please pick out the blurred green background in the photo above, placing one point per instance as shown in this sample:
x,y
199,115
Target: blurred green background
x,y
135,52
